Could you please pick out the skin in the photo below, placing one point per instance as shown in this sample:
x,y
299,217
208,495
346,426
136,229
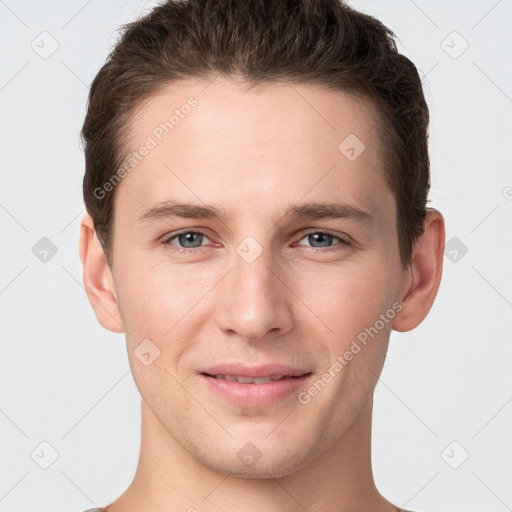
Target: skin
x,y
253,154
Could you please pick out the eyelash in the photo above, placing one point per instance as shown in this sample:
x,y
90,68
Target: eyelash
x,y
188,250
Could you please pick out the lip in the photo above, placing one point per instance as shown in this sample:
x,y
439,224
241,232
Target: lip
x,y
254,395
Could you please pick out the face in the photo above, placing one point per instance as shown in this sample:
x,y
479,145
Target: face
x,y
247,236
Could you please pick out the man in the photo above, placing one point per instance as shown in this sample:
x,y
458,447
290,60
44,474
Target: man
x,y
256,182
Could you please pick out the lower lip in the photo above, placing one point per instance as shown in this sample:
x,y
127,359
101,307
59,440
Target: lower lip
x,y
255,395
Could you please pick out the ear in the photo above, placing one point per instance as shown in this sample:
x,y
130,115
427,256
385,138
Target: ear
x,y
98,279
425,272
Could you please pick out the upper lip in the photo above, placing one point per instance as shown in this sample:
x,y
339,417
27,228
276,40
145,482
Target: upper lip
x,y
264,370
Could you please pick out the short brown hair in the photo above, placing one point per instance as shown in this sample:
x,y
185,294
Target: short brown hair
x,y
322,42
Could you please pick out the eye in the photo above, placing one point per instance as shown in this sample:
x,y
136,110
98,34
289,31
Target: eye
x,y
324,239
188,240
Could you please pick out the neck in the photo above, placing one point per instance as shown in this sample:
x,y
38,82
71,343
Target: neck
x,y
169,478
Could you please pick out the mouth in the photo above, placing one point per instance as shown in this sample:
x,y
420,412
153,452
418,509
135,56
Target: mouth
x,y
252,380
255,386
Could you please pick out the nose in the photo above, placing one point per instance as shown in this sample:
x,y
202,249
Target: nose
x,y
255,302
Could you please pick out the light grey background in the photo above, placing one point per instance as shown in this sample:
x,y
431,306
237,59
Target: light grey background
x,y
66,381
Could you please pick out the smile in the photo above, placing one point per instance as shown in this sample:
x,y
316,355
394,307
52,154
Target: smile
x,y
252,380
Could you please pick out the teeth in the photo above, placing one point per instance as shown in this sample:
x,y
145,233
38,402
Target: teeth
x,y
250,380
245,380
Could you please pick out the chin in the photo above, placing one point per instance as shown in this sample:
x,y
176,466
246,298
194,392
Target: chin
x,y
276,468
259,459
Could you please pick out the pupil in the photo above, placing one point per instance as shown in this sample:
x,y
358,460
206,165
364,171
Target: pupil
x,y
326,239
188,238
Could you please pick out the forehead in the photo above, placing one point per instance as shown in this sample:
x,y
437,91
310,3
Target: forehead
x,y
206,109
270,142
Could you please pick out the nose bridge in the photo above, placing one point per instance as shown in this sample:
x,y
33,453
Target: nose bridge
x,y
254,301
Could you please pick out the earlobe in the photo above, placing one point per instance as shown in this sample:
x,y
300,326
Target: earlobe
x,y
97,277
424,273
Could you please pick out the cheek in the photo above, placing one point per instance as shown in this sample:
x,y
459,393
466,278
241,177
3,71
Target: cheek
x,y
157,303
156,298
346,299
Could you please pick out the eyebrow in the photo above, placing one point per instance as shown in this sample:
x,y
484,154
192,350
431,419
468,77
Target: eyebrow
x,y
309,211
